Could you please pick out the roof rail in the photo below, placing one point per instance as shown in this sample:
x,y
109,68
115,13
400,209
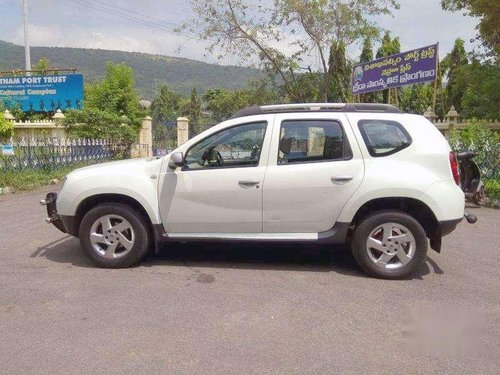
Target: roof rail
x,y
316,107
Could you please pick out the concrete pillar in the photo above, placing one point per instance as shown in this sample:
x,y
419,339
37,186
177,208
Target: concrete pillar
x,y
430,115
182,130
146,136
452,116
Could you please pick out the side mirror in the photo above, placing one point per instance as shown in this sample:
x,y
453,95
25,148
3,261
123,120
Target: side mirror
x,y
176,160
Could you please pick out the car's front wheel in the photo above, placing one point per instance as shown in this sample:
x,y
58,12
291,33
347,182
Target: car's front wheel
x,y
389,244
114,235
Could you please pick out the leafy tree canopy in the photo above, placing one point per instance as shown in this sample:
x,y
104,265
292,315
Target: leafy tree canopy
x,y
279,36
488,11
111,107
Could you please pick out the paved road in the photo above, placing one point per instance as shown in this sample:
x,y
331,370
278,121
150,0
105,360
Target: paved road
x,y
213,309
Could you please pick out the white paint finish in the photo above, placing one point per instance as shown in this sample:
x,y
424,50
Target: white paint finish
x,y
292,200
303,197
409,173
212,200
128,177
215,200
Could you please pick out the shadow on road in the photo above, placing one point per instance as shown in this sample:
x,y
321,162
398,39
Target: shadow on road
x,y
276,257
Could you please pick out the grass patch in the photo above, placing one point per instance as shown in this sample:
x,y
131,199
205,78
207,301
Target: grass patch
x,y
31,179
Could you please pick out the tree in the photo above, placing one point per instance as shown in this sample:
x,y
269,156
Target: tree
x,y
389,47
451,64
367,55
111,107
42,65
416,98
224,103
280,36
115,93
6,127
481,83
340,74
488,11
165,108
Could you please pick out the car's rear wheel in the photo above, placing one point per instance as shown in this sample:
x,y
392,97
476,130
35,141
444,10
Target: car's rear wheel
x,y
389,244
114,235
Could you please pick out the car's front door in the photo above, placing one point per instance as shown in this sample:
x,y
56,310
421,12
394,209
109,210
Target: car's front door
x,y
315,166
219,190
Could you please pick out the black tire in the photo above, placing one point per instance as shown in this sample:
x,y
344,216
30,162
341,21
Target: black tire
x,y
139,226
370,223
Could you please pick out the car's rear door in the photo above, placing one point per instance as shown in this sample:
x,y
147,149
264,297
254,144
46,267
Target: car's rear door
x,y
315,166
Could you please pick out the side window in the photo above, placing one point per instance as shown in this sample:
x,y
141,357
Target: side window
x,y
303,141
384,137
238,146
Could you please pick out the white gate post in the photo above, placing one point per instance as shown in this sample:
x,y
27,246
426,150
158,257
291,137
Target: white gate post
x,y
182,130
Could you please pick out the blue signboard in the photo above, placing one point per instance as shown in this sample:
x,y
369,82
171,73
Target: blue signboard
x,y
415,66
42,93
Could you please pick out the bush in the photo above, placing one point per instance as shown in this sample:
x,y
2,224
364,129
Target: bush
x,y
492,189
485,142
6,129
96,123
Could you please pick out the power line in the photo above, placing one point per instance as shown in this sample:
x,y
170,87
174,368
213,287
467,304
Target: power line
x,y
137,13
123,15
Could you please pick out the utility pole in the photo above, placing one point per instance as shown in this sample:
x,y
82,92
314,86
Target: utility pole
x,y
27,57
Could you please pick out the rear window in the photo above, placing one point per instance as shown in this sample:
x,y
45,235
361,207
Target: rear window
x,y
384,137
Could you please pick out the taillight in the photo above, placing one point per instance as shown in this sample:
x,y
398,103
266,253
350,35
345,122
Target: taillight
x,y
454,168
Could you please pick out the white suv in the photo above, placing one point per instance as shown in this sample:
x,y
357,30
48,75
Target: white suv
x,y
364,174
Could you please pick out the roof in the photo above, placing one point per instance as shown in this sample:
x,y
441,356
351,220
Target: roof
x,y
316,107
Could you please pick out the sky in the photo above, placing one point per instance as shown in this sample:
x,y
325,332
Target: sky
x,y
90,24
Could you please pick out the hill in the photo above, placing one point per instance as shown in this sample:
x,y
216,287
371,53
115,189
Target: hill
x,y
151,71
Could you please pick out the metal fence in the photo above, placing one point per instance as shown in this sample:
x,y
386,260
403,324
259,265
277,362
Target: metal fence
x,y
487,158
53,153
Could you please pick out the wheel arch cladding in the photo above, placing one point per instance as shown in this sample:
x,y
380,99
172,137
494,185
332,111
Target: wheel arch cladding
x,y
414,207
90,202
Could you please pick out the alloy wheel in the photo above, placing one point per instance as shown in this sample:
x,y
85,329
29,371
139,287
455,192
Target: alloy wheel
x,y
112,236
391,246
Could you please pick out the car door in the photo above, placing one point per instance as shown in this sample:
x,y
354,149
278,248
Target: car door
x,y
315,166
219,190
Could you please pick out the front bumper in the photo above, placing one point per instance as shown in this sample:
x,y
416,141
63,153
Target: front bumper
x,y
52,215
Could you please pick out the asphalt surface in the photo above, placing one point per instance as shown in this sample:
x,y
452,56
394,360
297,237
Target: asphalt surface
x,y
243,309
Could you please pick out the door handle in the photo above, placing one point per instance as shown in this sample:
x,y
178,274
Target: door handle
x,y
341,179
248,183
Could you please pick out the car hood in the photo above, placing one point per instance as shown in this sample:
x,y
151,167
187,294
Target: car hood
x,y
120,167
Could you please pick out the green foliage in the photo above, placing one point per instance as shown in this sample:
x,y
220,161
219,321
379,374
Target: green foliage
x,y
492,188
452,64
340,74
150,71
96,123
488,11
416,98
481,90
41,66
30,179
115,93
389,46
111,108
166,106
6,127
265,34
223,103
485,142
477,136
